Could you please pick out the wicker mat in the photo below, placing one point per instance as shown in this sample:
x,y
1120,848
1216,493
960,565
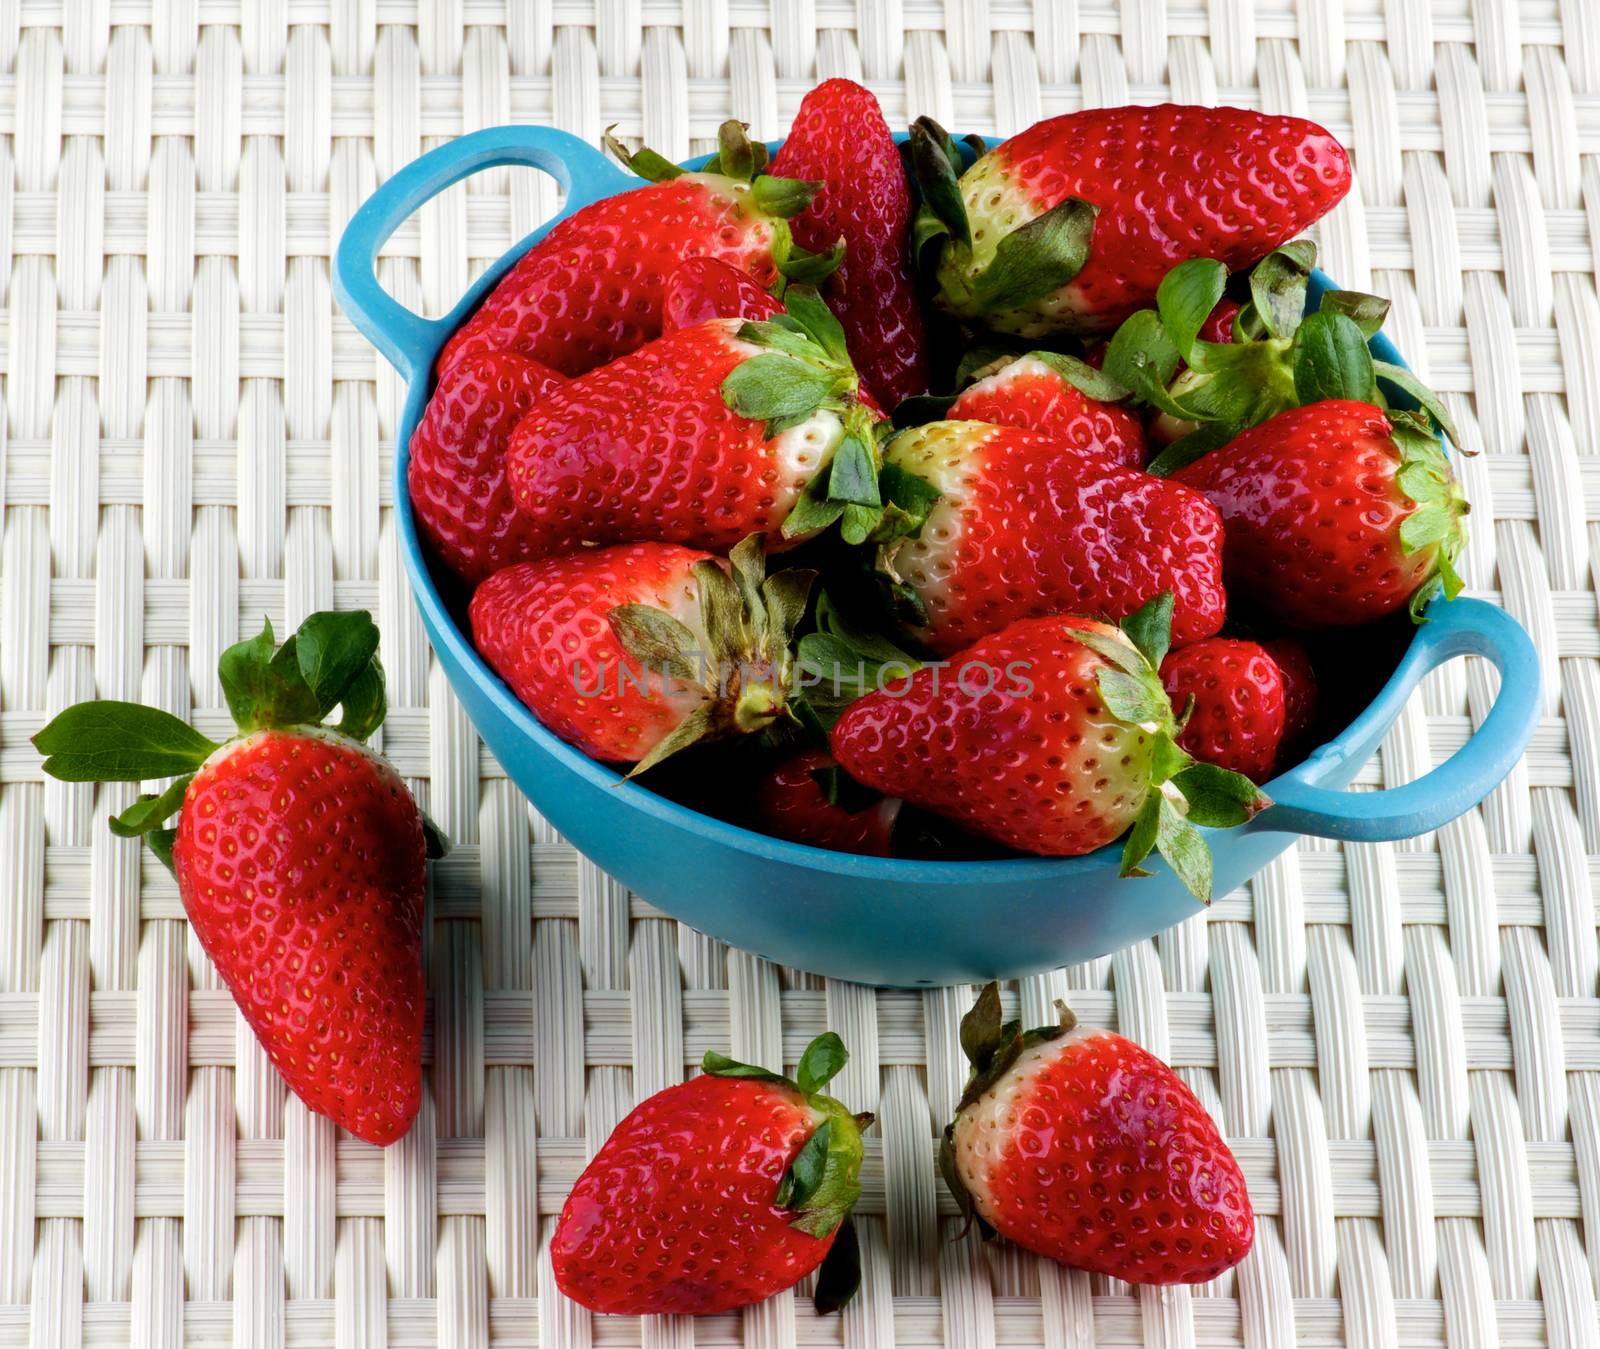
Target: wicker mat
x,y
1403,1042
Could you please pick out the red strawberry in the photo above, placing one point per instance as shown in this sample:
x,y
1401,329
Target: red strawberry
x,y
633,652
708,288
705,436
457,473
718,1193
1218,326
803,801
1116,536
1239,693
590,290
1336,514
1085,1148
1042,392
1299,696
299,856
839,138
1053,736
1122,195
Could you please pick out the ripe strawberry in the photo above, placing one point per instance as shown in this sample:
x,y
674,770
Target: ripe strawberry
x,y
299,857
1336,514
1218,326
1299,696
590,290
1238,717
1045,392
1085,1148
1071,224
707,288
457,472
704,436
1116,536
1053,736
718,1193
840,139
804,801
636,651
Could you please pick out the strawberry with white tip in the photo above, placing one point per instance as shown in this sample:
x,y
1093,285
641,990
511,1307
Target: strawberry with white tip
x,y
1084,1148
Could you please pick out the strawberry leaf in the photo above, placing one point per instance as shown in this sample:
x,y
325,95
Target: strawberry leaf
x,y
1367,312
1083,377
736,156
1426,526
774,387
800,265
720,1065
1142,357
1141,840
365,703
150,811
644,161
937,163
813,512
1189,449
436,843
785,595
1167,757
958,1190
808,309
853,475
1217,798
160,842
821,1061
783,197
658,641
1331,360
839,1275
1038,258
693,728
1185,298
1121,655
1425,398
981,1028
109,741
1185,851
804,1176
1278,286
1149,627
1135,699
333,650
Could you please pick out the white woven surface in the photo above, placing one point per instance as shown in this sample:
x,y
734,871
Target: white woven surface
x,y
1403,1042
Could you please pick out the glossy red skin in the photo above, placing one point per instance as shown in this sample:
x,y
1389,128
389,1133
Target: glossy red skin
x,y
1039,399
1299,695
646,448
1313,514
1239,704
840,139
1218,326
1047,532
675,1214
708,288
301,863
1174,183
590,290
457,472
535,621
791,804
1110,1164
1047,770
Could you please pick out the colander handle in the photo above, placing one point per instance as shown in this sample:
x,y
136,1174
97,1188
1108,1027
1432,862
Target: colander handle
x,y
406,339
1309,799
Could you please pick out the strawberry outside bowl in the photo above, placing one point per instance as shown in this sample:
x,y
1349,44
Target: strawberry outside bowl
x,y
881,920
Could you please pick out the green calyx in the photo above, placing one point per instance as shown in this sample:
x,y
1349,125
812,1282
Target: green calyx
x,y
992,1046
804,368
331,661
738,157
745,664
1027,263
1183,793
823,1183
1439,520
840,662
1280,357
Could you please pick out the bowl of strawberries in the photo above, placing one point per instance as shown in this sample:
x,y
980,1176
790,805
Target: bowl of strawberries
x,y
919,560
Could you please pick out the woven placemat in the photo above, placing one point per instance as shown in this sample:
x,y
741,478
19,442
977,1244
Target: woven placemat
x,y
1403,1042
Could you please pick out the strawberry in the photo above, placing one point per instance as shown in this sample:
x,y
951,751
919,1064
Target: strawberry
x,y
804,800
1071,224
1053,736
457,473
591,289
1085,1148
1238,715
633,652
1336,514
718,1193
1218,326
1300,699
704,436
840,139
1055,396
1116,536
299,856
707,288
